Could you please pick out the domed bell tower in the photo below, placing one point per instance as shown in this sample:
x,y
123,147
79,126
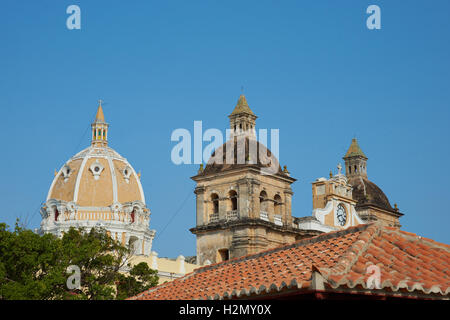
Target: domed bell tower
x,y
241,209
371,202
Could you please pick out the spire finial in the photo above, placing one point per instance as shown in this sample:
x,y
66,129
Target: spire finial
x,y
100,117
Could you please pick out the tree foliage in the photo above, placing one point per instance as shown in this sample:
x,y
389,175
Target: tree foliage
x,y
35,267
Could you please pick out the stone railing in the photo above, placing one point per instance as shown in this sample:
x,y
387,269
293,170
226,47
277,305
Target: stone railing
x,y
277,220
214,217
263,215
232,215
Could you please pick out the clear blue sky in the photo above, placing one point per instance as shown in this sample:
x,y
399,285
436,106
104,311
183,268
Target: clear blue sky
x,y
310,68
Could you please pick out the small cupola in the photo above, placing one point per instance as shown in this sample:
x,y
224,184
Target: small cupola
x,y
242,119
355,161
99,128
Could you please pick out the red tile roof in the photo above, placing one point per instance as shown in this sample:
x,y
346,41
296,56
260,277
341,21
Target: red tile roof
x,y
408,263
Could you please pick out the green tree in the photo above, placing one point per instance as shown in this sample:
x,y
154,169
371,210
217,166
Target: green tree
x,y
35,267
139,279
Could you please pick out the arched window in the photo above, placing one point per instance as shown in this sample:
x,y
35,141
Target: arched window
x,y
349,169
233,200
277,205
356,170
263,201
56,214
132,215
223,255
215,203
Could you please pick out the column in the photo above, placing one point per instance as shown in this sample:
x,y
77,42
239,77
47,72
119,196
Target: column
x,y
200,202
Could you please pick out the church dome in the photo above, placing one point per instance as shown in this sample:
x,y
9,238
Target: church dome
x,y
98,187
260,157
98,176
365,192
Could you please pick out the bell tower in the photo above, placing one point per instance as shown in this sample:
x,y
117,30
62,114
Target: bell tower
x,y
242,209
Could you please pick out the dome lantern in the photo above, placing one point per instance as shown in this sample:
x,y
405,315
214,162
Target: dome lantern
x,y
99,128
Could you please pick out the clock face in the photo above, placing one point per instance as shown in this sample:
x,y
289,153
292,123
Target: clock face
x,y
341,215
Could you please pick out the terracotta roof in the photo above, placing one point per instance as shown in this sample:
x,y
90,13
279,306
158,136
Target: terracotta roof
x,y
409,265
354,150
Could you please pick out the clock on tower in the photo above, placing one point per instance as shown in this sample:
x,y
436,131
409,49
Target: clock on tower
x,y
333,204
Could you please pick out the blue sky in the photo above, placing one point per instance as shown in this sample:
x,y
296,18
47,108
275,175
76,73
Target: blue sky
x,y
309,68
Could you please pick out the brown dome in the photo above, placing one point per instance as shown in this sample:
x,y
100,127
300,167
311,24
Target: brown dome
x,y
264,157
368,193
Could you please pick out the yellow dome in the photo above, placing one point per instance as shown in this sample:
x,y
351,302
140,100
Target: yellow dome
x,y
96,177
98,187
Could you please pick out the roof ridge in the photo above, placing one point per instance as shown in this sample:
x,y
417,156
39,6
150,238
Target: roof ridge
x,y
416,237
354,251
302,242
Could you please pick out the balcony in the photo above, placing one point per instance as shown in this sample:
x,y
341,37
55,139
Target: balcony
x,y
277,220
214,217
263,215
232,215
